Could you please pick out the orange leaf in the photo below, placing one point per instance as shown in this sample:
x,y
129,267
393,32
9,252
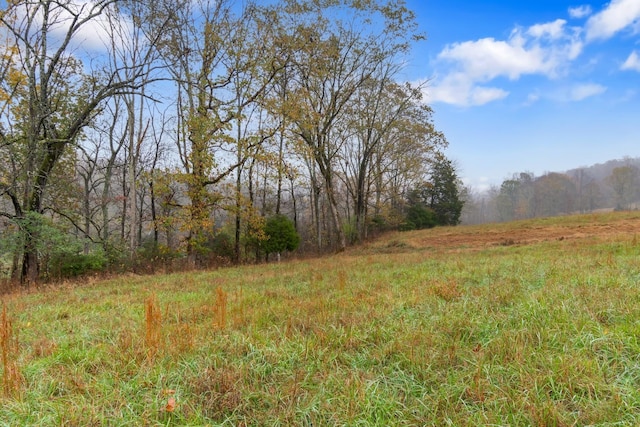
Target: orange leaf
x,y
171,405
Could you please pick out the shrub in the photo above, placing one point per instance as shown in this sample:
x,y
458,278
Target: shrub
x,y
74,265
281,235
419,217
222,245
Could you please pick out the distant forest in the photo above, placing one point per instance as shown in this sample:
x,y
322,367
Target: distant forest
x,y
613,185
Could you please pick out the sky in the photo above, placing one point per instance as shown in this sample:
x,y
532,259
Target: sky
x,y
530,85
526,85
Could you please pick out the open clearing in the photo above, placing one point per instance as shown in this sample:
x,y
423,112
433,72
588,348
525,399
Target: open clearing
x,y
528,323
595,226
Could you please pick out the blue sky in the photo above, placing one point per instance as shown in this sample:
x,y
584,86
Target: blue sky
x,y
531,85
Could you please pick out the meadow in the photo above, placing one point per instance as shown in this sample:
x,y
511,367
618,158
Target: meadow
x,y
528,323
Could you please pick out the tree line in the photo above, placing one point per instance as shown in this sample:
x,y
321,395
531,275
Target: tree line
x,y
185,131
614,185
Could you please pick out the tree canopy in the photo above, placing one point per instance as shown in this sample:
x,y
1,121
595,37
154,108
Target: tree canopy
x,y
137,128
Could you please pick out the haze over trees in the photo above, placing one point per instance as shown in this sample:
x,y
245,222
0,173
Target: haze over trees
x,y
172,131
613,185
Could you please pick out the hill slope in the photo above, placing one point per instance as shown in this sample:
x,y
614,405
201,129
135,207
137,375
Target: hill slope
x,y
530,323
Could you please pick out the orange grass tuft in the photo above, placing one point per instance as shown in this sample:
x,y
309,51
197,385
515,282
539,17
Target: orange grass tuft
x,y
153,326
448,290
220,309
342,280
11,376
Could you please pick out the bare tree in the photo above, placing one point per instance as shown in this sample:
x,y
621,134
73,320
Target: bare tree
x,y
335,56
382,111
53,102
624,181
221,64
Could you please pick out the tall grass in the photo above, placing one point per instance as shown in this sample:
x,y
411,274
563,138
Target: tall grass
x,y
400,332
9,347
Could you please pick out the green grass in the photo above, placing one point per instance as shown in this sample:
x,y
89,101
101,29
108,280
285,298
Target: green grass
x,y
395,333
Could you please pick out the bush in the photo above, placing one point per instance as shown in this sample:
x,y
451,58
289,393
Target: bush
x,y
419,217
222,245
281,235
151,255
73,265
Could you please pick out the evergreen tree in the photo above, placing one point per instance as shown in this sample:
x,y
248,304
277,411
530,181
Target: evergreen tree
x,y
281,235
441,195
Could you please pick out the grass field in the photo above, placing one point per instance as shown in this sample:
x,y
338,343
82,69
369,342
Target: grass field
x,y
527,323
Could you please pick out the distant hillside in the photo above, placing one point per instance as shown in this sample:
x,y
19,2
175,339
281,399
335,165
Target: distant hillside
x,y
600,171
612,185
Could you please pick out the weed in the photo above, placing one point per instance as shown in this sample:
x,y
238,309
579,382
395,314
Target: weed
x,y
220,309
153,326
448,290
342,280
181,337
11,377
44,347
219,391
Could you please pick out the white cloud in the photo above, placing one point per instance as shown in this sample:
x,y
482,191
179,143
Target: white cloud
x,y
580,11
583,91
632,63
554,30
94,35
480,95
469,69
532,98
543,49
458,89
618,15
523,53
488,58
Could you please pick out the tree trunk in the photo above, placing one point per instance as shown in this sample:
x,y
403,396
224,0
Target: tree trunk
x,y
361,201
154,215
280,172
315,196
30,261
132,180
295,204
335,216
236,250
86,211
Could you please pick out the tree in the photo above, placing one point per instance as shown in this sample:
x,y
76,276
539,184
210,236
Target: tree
x,y
419,217
624,181
219,71
335,54
515,199
437,201
49,102
291,107
554,194
384,111
443,192
587,190
479,206
281,235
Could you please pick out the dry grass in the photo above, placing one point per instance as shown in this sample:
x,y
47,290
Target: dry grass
x,y
11,377
220,309
153,326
